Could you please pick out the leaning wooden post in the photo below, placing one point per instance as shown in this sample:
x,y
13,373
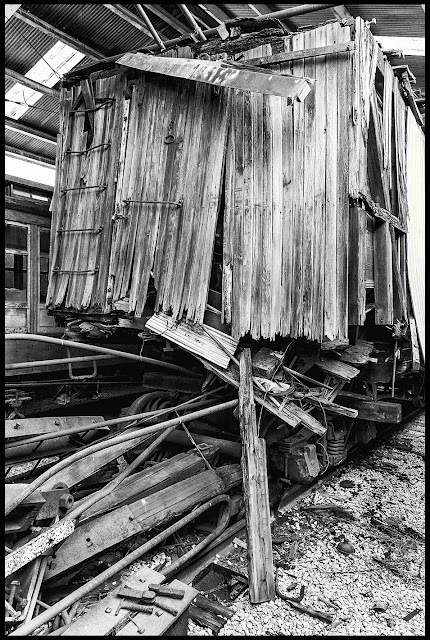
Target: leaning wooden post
x,y
256,491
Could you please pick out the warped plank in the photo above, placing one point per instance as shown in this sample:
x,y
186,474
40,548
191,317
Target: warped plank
x,y
220,73
194,339
256,491
357,266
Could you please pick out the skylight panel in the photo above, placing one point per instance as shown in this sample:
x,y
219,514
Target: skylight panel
x,y
60,59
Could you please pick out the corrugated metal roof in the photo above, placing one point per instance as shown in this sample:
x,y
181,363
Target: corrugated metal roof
x,y
402,19
24,45
26,143
109,34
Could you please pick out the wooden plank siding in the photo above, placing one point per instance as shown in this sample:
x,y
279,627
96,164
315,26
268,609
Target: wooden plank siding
x,y
293,259
295,202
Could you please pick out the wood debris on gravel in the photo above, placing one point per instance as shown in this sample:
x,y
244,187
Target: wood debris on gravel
x,y
357,584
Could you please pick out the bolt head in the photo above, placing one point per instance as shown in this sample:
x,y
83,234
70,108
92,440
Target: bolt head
x,y
16,425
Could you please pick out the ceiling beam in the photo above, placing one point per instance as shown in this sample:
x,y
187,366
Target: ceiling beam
x,y
49,30
192,21
130,17
150,26
9,10
209,13
16,125
31,84
341,12
182,40
216,11
264,10
167,17
12,151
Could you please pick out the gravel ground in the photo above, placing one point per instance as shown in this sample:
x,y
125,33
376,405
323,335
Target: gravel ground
x,y
386,523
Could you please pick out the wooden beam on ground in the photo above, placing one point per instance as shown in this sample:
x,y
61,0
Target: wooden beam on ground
x,y
10,10
31,84
98,535
167,17
357,266
256,491
369,409
16,125
383,274
130,17
49,30
43,160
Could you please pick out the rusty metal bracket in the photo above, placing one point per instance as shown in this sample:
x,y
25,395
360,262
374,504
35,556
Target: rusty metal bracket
x,y
94,230
97,146
72,376
101,187
178,203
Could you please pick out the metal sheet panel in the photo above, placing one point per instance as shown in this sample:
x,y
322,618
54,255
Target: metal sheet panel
x,y
415,158
222,74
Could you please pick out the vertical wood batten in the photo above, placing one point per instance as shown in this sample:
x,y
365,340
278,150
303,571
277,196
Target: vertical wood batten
x,y
330,289
287,205
298,199
357,266
383,274
342,214
318,292
309,213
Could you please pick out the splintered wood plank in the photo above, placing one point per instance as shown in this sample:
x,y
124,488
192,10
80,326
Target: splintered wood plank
x,y
286,133
308,256
330,264
266,237
383,274
194,338
227,250
337,369
237,301
248,201
256,492
298,199
416,361
342,214
276,266
357,266
257,132
400,311
319,174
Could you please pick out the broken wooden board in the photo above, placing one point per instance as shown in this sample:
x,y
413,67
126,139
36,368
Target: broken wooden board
x,y
337,369
358,353
331,407
103,532
369,409
229,376
256,491
265,362
144,483
194,338
32,426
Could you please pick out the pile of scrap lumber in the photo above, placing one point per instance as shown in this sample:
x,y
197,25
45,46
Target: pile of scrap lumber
x,y
98,486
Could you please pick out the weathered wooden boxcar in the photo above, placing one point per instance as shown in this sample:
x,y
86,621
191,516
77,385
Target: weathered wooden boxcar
x,y
174,183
